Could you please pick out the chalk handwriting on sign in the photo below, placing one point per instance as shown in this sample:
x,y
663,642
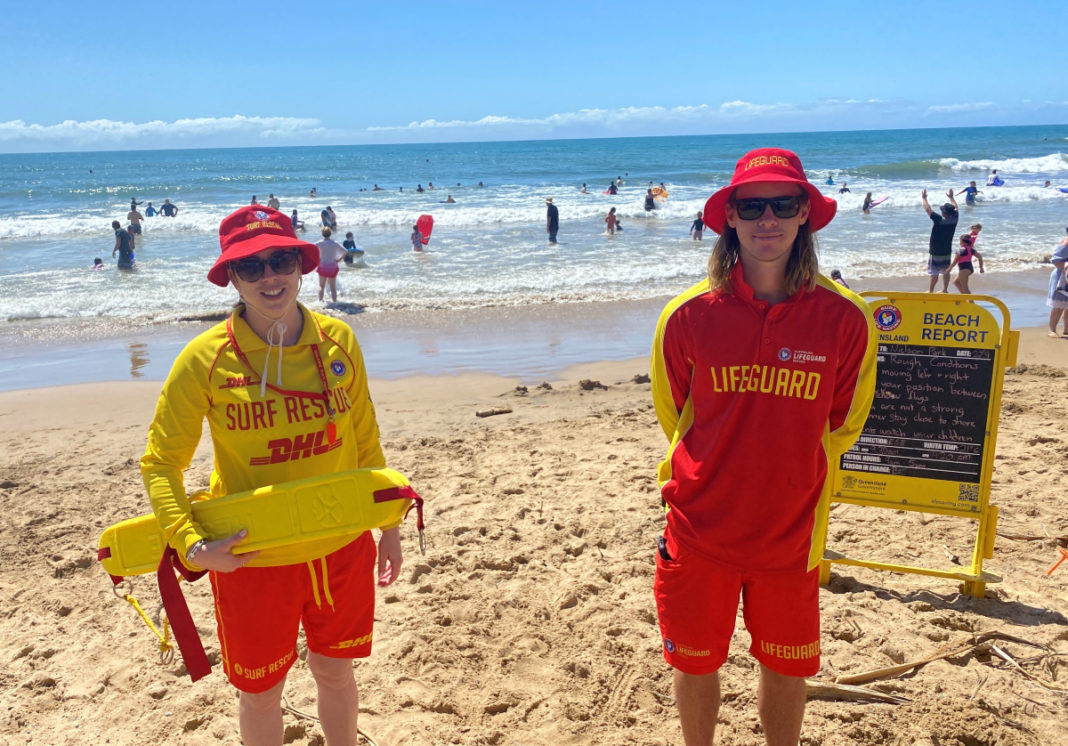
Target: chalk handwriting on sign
x,y
929,418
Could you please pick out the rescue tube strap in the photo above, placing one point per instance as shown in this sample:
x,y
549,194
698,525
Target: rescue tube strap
x,y
185,631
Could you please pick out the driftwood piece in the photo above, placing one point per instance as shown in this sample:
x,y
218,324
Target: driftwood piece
x,y
953,649
827,690
492,412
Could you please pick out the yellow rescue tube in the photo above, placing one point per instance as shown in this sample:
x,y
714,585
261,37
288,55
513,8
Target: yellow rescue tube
x,y
280,515
659,193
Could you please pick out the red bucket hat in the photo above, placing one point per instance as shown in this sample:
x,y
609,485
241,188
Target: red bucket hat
x,y
769,165
252,229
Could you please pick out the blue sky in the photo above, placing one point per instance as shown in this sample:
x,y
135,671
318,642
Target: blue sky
x,y
101,76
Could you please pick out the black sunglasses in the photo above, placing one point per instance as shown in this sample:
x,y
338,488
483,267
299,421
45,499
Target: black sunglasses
x,y
753,207
251,268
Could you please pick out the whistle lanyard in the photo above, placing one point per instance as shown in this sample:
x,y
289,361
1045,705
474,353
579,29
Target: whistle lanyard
x,y
331,428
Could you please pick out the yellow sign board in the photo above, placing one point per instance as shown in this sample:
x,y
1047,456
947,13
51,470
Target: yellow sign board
x,y
928,444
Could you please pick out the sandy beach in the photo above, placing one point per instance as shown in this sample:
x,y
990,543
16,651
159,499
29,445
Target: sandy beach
x,y
530,618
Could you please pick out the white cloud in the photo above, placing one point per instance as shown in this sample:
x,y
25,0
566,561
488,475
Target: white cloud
x,y
107,132
735,116
951,108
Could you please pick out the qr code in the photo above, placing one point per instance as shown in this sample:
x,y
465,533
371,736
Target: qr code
x,y
969,493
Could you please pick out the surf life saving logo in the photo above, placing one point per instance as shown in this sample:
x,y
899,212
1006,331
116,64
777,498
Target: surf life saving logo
x,y
887,318
785,354
338,368
669,645
261,215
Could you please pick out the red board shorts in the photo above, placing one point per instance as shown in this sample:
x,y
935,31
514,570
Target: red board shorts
x,y
328,270
697,602
258,610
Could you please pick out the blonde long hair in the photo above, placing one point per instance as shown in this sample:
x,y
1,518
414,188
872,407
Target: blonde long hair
x,y
801,268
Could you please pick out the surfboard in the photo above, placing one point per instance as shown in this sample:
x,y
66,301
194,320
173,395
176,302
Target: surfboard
x,y
280,515
879,200
425,224
997,182
1063,189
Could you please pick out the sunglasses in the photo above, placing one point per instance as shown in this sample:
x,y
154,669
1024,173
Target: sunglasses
x,y
753,208
251,268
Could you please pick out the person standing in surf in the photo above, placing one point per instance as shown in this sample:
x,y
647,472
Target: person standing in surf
x,y
764,356
123,246
940,249
295,368
552,220
330,251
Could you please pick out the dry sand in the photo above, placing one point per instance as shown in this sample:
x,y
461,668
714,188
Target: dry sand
x,y
530,619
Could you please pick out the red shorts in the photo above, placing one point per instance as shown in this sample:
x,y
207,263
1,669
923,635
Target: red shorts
x,y
697,602
328,270
258,610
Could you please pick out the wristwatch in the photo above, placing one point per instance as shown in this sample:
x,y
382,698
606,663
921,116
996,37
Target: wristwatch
x,y
190,556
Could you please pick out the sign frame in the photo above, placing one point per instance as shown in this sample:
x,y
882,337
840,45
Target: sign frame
x,y
922,450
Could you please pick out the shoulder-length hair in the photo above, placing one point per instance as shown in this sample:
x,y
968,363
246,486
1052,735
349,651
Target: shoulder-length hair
x,y
801,269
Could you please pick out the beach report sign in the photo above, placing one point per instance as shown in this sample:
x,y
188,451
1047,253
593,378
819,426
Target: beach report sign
x,y
928,443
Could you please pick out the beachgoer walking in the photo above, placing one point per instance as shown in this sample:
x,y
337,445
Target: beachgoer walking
x,y
963,261
291,364
610,221
940,250
697,227
1057,298
123,246
330,252
552,219
764,356
135,219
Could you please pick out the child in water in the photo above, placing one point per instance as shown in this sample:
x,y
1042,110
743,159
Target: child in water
x,y
417,239
353,255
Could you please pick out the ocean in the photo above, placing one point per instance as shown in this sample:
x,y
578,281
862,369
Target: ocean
x,y
489,249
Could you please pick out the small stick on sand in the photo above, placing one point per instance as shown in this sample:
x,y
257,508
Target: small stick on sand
x,y
492,412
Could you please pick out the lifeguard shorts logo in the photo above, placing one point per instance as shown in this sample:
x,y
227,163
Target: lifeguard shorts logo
x,y
669,645
887,318
338,367
784,354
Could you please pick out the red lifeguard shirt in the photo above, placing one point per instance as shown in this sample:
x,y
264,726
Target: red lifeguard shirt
x,y
756,399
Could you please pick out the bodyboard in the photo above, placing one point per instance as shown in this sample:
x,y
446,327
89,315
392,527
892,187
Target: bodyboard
x,y
425,224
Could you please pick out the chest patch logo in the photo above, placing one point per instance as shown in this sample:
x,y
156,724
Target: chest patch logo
x,y
337,367
785,354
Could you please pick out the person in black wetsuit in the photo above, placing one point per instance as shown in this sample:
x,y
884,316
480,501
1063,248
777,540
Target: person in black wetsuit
x,y
123,246
552,220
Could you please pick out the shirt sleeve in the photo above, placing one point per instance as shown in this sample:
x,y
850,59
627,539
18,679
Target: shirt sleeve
x,y
855,379
671,366
172,440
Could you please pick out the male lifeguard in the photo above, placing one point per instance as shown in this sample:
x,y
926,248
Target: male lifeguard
x,y
761,375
